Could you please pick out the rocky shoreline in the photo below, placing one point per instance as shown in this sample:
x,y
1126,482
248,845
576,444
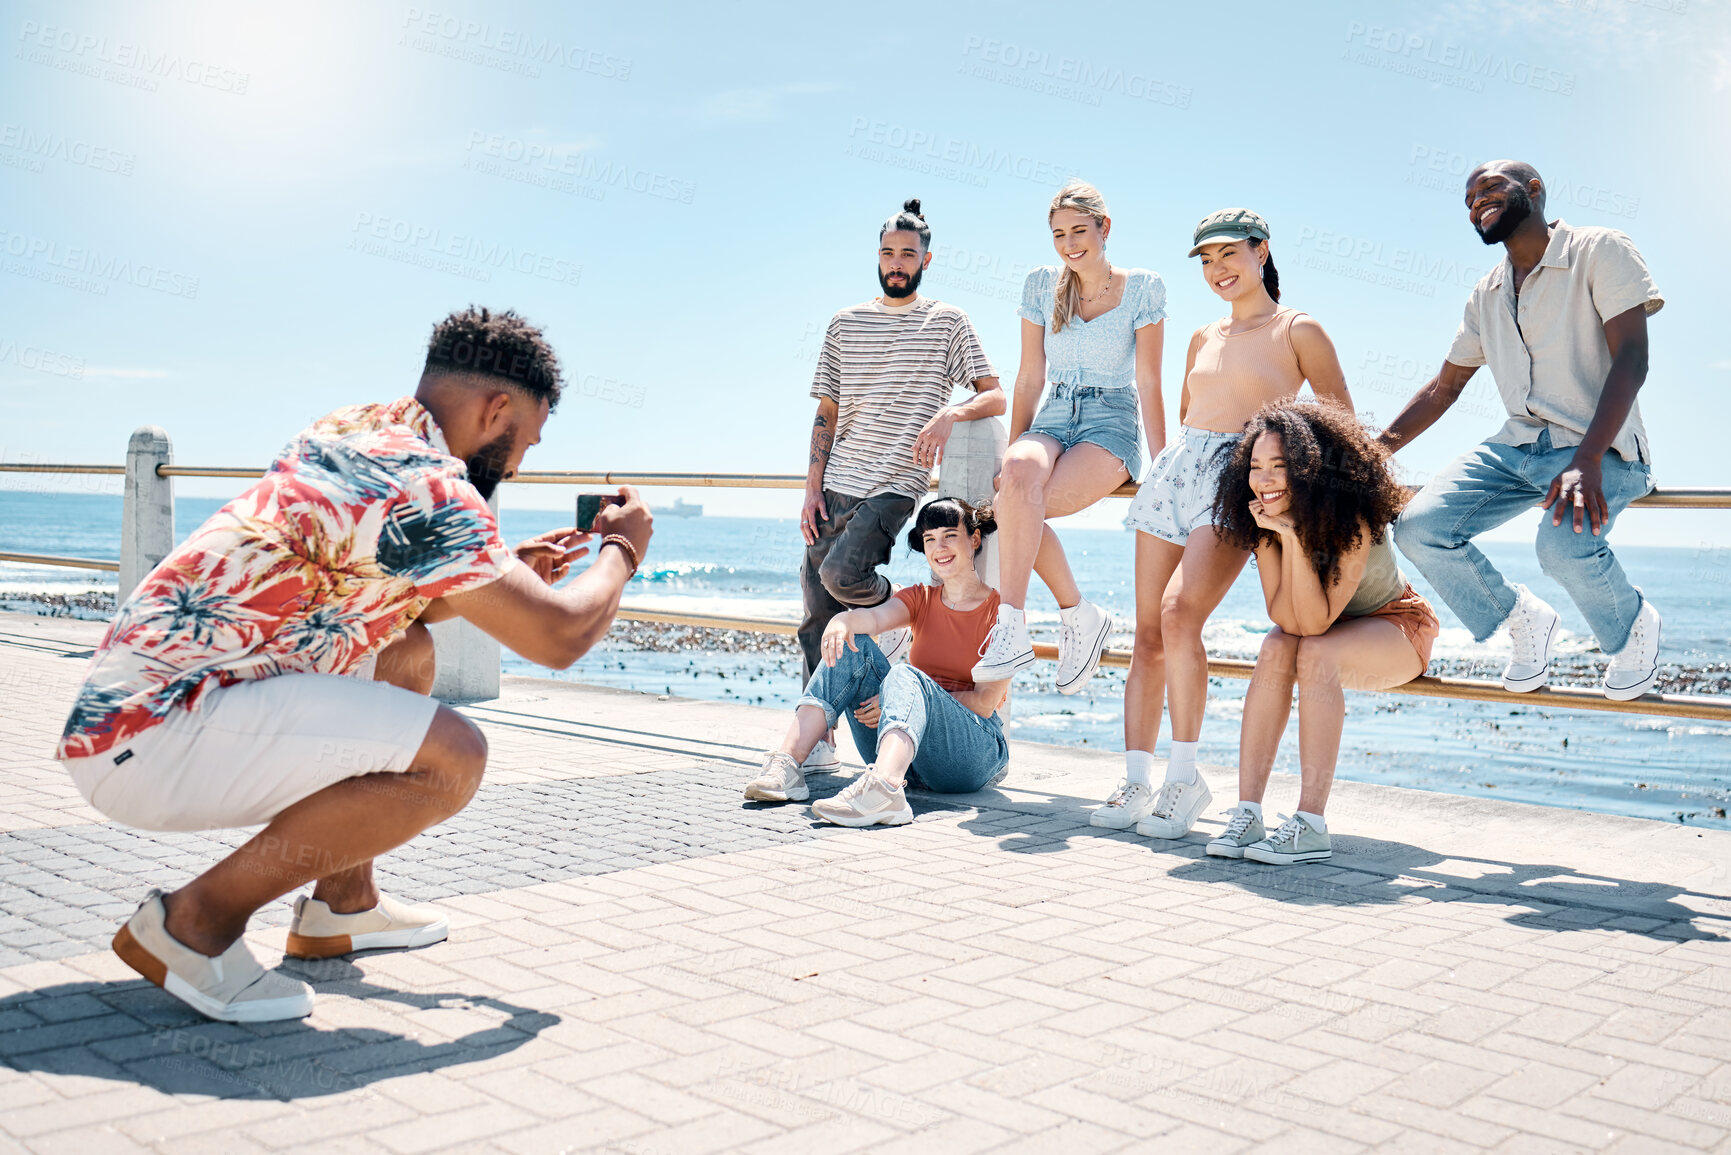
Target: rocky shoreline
x,y
1712,679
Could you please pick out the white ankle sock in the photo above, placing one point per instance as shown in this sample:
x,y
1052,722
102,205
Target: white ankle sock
x,y
1181,762
1315,820
1139,766
1254,808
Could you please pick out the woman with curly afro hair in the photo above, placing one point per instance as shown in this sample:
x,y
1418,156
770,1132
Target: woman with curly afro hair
x,y
1309,491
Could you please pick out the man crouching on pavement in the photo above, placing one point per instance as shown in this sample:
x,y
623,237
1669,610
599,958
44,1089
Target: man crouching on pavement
x,y
218,697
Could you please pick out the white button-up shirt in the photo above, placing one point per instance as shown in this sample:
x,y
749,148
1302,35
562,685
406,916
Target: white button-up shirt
x,y
1546,345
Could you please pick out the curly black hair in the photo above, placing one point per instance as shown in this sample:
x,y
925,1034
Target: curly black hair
x,y
501,345
1337,477
947,512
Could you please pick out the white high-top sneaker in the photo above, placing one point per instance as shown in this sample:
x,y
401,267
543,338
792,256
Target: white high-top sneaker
x,y
1532,632
1007,649
1080,644
1635,667
896,644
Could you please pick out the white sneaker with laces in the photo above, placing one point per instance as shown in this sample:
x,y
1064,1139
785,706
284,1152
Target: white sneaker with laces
x,y
1635,667
1080,644
822,758
1296,841
1006,650
1532,633
1243,827
781,781
866,801
1176,808
896,643
1129,804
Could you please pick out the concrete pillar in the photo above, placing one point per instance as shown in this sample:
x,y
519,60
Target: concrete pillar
x,y
466,658
971,460
147,515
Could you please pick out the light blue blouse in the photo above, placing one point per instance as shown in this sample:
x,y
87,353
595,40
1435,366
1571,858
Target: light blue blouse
x,y
1102,352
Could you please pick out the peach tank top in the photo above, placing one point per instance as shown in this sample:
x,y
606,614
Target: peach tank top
x,y
1235,374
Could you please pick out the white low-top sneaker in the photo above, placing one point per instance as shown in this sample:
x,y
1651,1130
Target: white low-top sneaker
x,y
896,643
1006,651
1635,668
231,987
1243,828
1080,644
1176,808
1532,633
781,781
1129,804
1295,841
866,801
319,932
822,759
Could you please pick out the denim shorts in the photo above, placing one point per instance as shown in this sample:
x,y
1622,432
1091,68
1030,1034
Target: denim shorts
x,y
1109,418
1177,496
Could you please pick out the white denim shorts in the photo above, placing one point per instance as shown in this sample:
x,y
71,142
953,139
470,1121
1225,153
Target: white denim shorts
x,y
1177,496
252,750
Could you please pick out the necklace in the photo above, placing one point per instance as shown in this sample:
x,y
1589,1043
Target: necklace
x,y
1102,292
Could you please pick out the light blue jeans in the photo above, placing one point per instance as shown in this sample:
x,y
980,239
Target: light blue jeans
x,y
1494,484
955,750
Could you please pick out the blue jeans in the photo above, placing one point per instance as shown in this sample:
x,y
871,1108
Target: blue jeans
x,y
1493,484
955,750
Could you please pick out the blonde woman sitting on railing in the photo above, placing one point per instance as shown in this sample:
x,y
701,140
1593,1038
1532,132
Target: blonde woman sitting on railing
x,y
925,722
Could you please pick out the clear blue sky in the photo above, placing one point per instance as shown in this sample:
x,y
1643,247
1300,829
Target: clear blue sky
x,y
226,220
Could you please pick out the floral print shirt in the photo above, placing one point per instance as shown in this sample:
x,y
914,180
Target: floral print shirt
x,y
361,521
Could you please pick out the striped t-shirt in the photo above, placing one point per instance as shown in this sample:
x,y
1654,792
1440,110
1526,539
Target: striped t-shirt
x,y
889,371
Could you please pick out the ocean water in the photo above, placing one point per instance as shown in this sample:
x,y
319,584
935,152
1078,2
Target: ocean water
x,y
1664,768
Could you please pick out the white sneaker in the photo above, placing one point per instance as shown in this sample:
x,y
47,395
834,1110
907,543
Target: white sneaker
x,y
231,987
1176,809
866,801
1243,828
1006,650
781,781
1080,644
896,643
1129,804
1296,841
1532,632
1635,667
319,932
822,758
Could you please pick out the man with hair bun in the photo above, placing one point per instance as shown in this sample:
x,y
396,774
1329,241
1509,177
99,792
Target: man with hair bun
x,y
274,669
883,386
1562,323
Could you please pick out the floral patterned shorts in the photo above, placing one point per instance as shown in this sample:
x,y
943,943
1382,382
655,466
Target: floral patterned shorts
x,y
1177,496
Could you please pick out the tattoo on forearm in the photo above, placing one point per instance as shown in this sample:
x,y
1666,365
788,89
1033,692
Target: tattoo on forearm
x,y
821,441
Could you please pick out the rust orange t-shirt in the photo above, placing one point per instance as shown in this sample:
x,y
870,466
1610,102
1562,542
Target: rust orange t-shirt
x,y
947,642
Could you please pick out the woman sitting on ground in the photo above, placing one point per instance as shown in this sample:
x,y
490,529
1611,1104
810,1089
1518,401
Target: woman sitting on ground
x,y
1308,490
925,722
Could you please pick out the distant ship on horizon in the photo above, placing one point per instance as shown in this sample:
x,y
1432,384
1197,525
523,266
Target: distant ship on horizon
x,y
679,508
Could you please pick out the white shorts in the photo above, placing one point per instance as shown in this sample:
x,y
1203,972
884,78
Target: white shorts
x,y
1177,496
254,749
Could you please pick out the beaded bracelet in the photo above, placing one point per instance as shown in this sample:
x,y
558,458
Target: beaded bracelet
x,y
623,543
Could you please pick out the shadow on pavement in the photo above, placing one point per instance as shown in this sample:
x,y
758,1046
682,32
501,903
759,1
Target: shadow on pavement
x,y
1369,872
133,1032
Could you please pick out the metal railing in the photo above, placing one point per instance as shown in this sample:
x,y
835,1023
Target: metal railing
x,y
1569,697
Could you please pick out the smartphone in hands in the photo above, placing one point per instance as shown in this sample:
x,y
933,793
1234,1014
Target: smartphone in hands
x,y
589,506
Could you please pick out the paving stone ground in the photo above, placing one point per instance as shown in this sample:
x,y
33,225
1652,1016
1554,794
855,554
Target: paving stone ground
x,y
641,964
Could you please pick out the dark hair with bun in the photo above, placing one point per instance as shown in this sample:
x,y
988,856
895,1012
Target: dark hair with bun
x,y
909,219
950,513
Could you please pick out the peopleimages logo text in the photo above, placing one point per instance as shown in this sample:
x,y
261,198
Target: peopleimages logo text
x,y
80,260
466,247
1411,47
513,42
954,150
1086,75
100,50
